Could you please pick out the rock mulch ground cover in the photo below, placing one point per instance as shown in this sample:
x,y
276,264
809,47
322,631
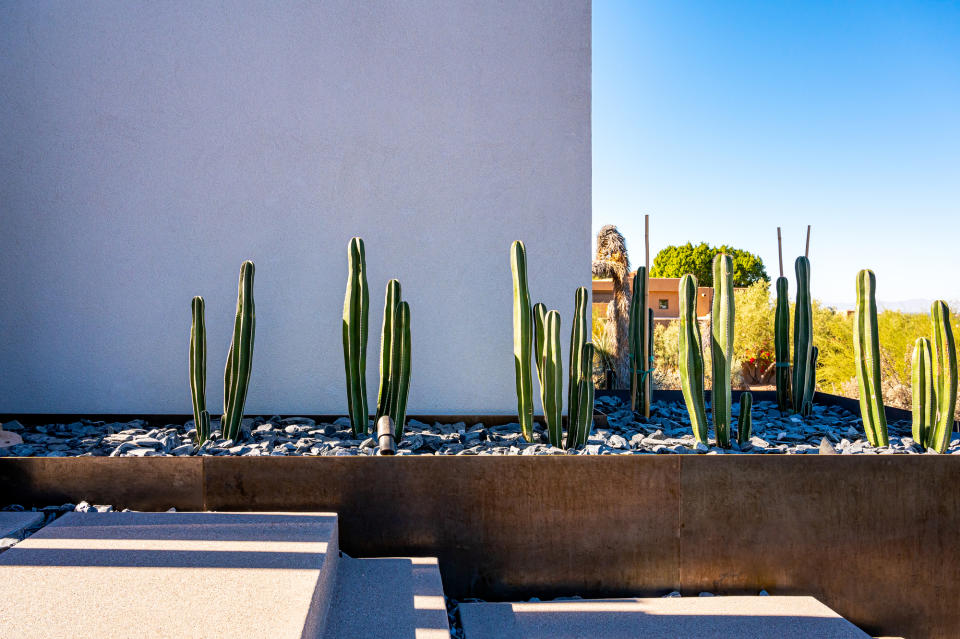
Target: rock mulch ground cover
x,y
667,431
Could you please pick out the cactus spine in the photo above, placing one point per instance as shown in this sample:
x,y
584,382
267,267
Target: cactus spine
x,y
394,359
582,422
522,338
781,328
924,397
198,371
721,344
236,376
578,338
356,307
802,334
551,393
691,358
637,341
745,420
866,343
946,393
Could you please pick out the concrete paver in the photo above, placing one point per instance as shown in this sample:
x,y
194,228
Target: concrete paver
x,y
659,618
392,598
171,575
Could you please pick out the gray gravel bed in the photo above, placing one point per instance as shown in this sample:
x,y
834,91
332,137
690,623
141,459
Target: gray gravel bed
x,y
831,429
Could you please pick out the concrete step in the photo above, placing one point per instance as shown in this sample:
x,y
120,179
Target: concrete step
x,y
395,598
172,575
660,618
13,526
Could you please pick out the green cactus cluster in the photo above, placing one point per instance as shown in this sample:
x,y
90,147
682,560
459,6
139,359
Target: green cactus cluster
x,y
721,345
536,334
722,326
236,377
691,358
394,359
394,347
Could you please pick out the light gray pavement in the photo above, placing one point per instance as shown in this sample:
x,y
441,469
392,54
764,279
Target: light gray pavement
x,y
171,575
660,618
395,598
13,525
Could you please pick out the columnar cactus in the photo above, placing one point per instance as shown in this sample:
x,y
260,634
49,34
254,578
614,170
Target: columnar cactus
x,y
637,340
866,343
387,330
522,338
394,359
691,358
721,345
236,376
356,308
198,371
745,419
946,375
551,393
578,337
924,395
781,340
581,422
400,368
802,334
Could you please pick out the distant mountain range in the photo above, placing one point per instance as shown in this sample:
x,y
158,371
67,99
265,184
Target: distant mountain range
x,y
904,306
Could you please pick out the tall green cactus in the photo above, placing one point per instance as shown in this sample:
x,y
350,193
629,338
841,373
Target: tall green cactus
x,y
356,308
946,375
522,338
578,337
387,330
581,423
394,359
721,345
198,371
924,396
236,376
866,344
745,419
802,334
691,358
400,368
637,340
781,340
551,393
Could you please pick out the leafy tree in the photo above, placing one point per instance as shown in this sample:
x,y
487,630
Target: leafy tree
x,y
677,261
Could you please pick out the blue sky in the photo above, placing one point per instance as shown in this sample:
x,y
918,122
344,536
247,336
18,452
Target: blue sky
x,y
723,120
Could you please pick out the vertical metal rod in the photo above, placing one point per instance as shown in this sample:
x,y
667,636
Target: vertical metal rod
x,y
806,253
385,438
780,250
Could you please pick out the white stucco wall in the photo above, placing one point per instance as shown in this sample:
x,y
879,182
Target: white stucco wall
x,y
147,148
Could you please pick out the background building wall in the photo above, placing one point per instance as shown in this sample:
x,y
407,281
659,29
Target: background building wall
x,y
148,148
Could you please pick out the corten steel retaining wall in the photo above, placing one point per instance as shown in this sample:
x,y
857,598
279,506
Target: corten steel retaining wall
x,y
874,537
